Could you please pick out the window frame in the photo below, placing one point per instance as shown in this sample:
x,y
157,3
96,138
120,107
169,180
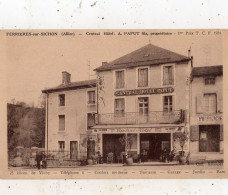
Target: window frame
x,y
114,76
93,113
124,99
64,144
206,78
87,96
162,75
137,76
59,122
173,103
64,100
216,103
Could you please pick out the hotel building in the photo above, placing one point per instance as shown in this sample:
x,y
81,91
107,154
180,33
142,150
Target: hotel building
x,y
143,95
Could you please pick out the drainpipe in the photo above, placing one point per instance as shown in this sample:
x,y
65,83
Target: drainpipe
x,y
47,121
190,99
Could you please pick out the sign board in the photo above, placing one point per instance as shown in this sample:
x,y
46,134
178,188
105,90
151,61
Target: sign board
x,y
210,118
141,130
144,91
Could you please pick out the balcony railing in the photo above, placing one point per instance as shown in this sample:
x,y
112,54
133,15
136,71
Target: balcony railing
x,y
132,118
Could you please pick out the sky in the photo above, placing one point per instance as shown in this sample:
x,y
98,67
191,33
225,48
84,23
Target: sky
x,y
36,63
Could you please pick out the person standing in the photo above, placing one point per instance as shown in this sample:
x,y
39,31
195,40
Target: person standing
x,y
38,159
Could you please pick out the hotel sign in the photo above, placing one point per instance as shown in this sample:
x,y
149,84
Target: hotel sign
x,y
144,91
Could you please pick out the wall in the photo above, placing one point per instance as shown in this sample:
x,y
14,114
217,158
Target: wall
x,y
75,111
155,81
198,89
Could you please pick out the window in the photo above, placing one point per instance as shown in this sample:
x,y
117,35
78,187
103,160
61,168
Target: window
x,y
143,77
120,83
119,106
168,76
61,122
143,106
209,138
91,97
168,103
62,100
210,81
210,103
61,146
90,120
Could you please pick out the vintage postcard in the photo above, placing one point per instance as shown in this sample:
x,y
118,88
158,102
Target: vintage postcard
x,y
114,104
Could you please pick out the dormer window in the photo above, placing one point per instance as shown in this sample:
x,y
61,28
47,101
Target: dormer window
x,y
210,81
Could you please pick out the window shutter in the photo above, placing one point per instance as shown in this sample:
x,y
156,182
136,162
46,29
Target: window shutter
x,y
194,133
219,103
221,132
199,105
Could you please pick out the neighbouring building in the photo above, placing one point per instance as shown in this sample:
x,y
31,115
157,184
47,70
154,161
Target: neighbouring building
x,y
70,109
145,97
206,131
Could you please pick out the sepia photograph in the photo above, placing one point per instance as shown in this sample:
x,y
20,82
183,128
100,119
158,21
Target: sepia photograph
x,y
114,104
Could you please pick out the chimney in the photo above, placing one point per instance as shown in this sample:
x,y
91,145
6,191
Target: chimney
x,y
104,63
66,77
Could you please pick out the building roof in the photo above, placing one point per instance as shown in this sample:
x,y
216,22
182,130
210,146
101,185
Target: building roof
x,y
207,70
72,86
147,55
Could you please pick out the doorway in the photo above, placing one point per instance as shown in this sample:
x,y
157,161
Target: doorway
x,y
74,150
90,148
209,138
111,143
153,144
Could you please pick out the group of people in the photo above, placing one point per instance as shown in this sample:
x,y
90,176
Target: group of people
x,y
41,160
167,155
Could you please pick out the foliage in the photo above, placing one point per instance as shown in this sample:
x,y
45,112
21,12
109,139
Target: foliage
x,y
182,137
25,126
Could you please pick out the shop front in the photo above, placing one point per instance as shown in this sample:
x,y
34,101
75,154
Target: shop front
x,y
206,138
137,141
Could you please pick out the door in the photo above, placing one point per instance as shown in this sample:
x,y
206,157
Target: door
x,y
143,110
73,150
90,148
111,143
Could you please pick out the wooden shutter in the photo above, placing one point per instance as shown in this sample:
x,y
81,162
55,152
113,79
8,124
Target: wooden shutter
x,y
199,104
221,132
194,133
220,102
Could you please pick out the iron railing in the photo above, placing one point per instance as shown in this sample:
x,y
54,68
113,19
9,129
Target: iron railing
x,y
132,118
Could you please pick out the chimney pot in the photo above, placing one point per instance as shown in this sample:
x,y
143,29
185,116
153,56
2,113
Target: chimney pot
x,y
66,77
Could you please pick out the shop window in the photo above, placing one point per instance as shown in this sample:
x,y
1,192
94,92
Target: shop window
x,y
91,97
168,104
210,81
90,120
143,77
119,106
210,103
132,141
120,80
61,146
168,76
61,122
62,100
209,136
